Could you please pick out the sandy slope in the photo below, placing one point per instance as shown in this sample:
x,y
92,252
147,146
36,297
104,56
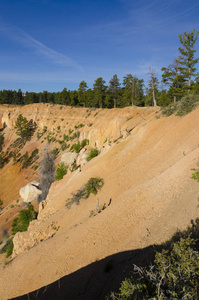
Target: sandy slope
x,y
148,178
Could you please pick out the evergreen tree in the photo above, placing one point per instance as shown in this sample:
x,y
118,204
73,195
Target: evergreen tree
x,y
82,92
90,98
73,98
187,52
172,76
99,90
114,86
133,90
22,128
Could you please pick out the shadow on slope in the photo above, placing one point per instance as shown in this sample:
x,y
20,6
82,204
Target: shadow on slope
x,y
98,279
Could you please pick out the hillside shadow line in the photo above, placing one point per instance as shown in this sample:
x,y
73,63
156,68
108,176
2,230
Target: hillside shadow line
x,y
96,280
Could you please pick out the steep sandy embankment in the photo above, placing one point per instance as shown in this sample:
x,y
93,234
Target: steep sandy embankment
x,y
148,177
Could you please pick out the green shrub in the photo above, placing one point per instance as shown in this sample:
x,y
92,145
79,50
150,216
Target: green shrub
x,y
1,142
174,275
64,146
74,167
79,126
65,137
1,203
21,223
9,247
76,147
182,107
93,153
61,171
55,152
84,143
25,160
93,185
187,104
195,176
75,135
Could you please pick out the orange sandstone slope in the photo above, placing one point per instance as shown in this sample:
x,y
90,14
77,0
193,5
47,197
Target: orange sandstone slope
x,y
147,176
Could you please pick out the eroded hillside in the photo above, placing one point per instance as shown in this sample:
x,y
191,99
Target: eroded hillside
x,y
145,161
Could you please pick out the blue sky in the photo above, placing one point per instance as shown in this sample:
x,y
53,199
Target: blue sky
x,y
54,44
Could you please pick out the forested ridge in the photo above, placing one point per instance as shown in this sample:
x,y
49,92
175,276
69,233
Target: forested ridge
x,y
179,79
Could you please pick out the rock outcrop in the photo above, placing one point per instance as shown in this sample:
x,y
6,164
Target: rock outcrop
x,y
69,158
30,192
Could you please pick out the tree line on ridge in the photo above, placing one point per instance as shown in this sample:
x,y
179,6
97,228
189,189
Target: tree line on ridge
x,y
178,79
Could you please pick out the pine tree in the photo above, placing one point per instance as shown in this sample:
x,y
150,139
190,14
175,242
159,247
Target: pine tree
x,y
22,128
133,90
171,76
99,90
82,92
187,52
114,86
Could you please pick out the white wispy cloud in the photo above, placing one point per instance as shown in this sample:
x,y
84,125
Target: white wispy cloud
x,y
18,35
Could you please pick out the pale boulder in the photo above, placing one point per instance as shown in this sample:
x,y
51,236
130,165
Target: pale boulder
x,y
69,158
30,192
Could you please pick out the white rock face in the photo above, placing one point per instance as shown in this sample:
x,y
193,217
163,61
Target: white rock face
x,y
6,119
30,192
82,158
69,158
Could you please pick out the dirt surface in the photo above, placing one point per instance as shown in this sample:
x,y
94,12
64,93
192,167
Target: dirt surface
x,y
147,176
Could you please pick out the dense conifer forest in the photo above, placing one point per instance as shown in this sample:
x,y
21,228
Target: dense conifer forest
x,y
179,79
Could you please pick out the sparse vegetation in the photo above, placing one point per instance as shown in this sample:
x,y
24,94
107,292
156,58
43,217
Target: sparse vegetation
x,y
84,143
76,147
195,176
21,223
1,142
174,275
92,186
25,128
55,152
61,171
79,126
74,167
1,204
93,153
182,107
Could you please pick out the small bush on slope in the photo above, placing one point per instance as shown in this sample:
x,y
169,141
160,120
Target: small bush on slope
x,y
91,187
61,171
21,223
182,107
93,153
9,247
174,275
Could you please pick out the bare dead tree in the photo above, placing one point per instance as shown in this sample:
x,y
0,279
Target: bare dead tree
x,y
152,81
47,173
